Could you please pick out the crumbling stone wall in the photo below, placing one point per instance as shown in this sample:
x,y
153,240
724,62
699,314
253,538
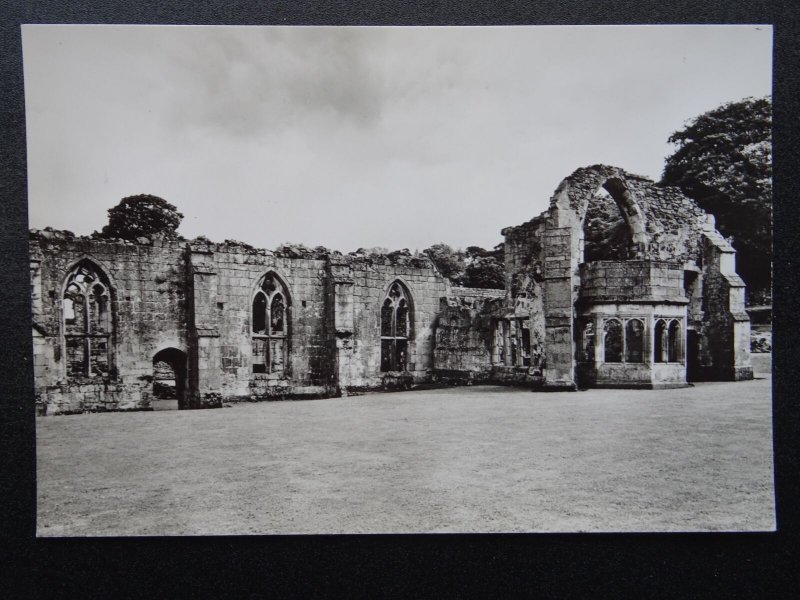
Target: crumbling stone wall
x,y
197,298
358,344
724,352
464,335
524,251
148,299
223,315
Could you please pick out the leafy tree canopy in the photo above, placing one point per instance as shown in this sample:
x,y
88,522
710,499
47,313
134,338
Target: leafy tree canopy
x,y
449,262
485,272
474,267
723,160
142,215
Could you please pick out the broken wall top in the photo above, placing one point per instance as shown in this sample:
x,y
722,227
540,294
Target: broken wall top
x,y
673,223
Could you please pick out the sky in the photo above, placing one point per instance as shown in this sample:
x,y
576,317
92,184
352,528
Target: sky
x,y
351,137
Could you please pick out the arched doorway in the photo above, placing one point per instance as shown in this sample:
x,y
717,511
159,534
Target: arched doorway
x,y
169,379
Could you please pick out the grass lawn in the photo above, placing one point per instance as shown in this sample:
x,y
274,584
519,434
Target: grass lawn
x,y
468,459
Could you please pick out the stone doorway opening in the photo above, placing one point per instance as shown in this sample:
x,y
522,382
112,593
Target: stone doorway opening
x,y
169,379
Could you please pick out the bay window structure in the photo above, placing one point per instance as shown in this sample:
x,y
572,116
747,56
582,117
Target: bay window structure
x,y
395,328
270,327
87,322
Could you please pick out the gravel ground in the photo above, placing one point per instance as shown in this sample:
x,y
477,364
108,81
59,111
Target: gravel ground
x,y
469,459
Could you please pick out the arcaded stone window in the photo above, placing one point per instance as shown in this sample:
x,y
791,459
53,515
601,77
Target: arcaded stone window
x,y
667,341
269,326
395,328
612,341
88,323
634,341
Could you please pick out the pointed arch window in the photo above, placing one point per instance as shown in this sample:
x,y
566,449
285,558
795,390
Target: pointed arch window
x,y
395,328
634,341
612,341
660,341
87,322
674,342
270,326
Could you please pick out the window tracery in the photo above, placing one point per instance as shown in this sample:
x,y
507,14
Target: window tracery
x,y
87,322
269,326
395,328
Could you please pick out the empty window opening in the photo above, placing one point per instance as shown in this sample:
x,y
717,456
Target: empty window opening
x,y
612,341
660,343
634,341
674,342
667,343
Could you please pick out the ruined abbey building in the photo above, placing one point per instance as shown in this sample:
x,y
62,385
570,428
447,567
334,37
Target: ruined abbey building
x,y
620,283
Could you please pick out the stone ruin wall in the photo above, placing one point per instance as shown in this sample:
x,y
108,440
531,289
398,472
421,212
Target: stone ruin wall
x,y
524,251
149,297
196,296
238,269
464,336
359,357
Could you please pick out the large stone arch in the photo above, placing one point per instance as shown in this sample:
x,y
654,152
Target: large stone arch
x,y
563,253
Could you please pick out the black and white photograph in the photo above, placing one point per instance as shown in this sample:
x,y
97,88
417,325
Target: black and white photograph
x,y
376,280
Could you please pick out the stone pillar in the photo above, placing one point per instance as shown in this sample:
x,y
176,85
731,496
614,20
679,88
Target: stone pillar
x,y
341,281
560,264
205,361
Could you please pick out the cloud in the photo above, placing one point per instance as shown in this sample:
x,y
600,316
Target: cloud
x,y
348,137
249,82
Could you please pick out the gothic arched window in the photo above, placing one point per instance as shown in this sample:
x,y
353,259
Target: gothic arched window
x,y
660,342
612,341
674,342
270,325
634,341
395,328
87,322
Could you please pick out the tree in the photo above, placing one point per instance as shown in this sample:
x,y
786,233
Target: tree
x,y
723,161
449,262
485,272
485,268
142,215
